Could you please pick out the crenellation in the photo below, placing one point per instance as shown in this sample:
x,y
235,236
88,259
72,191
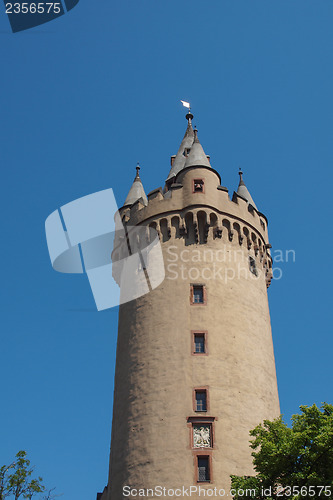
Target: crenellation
x,y
159,205
156,194
136,207
199,226
176,185
251,209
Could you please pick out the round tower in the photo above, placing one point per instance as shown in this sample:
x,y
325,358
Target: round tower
x,y
195,367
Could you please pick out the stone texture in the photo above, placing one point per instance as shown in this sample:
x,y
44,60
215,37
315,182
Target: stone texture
x,y
207,239
155,369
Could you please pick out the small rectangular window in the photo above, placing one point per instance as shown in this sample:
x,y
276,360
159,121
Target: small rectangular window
x,y
198,186
199,343
201,400
203,469
198,294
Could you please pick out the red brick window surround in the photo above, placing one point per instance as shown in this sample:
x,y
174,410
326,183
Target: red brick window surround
x,y
201,430
198,294
200,399
203,468
198,186
199,342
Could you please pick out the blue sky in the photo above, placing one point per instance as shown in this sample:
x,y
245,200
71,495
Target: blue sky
x,y
85,97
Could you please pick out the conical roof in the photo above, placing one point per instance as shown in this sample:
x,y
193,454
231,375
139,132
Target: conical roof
x,y
197,156
244,192
186,144
136,192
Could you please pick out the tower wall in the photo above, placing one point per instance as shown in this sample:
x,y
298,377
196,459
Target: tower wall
x,y
206,239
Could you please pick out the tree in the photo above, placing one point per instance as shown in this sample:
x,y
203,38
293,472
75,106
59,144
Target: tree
x,y
16,480
294,463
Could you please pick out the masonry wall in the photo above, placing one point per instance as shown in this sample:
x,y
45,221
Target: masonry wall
x,y
207,240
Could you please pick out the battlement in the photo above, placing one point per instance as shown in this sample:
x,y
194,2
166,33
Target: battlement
x,y
181,195
196,208
201,217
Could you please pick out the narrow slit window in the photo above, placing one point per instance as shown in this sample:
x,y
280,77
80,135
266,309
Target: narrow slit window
x,y
203,469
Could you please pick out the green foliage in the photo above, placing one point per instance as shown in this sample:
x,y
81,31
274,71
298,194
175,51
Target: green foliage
x,y
16,480
296,462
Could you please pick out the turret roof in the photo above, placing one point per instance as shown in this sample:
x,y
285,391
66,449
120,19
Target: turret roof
x,y
197,156
186,144
244,192
137,191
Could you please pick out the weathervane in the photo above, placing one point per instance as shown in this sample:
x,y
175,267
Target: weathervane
x,y
188,106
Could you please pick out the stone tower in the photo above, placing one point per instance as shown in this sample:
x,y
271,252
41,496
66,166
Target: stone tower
x,y
195,367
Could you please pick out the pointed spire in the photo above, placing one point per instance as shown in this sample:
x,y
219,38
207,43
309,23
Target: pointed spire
x,y
243,191
186,144
197,156
136,192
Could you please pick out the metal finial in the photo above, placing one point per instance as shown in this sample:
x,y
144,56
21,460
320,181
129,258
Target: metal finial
x,y
137,170
241,182
187,105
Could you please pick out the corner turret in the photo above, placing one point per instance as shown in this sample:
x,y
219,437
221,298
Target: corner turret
x,y
136,192
243,191
197,156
